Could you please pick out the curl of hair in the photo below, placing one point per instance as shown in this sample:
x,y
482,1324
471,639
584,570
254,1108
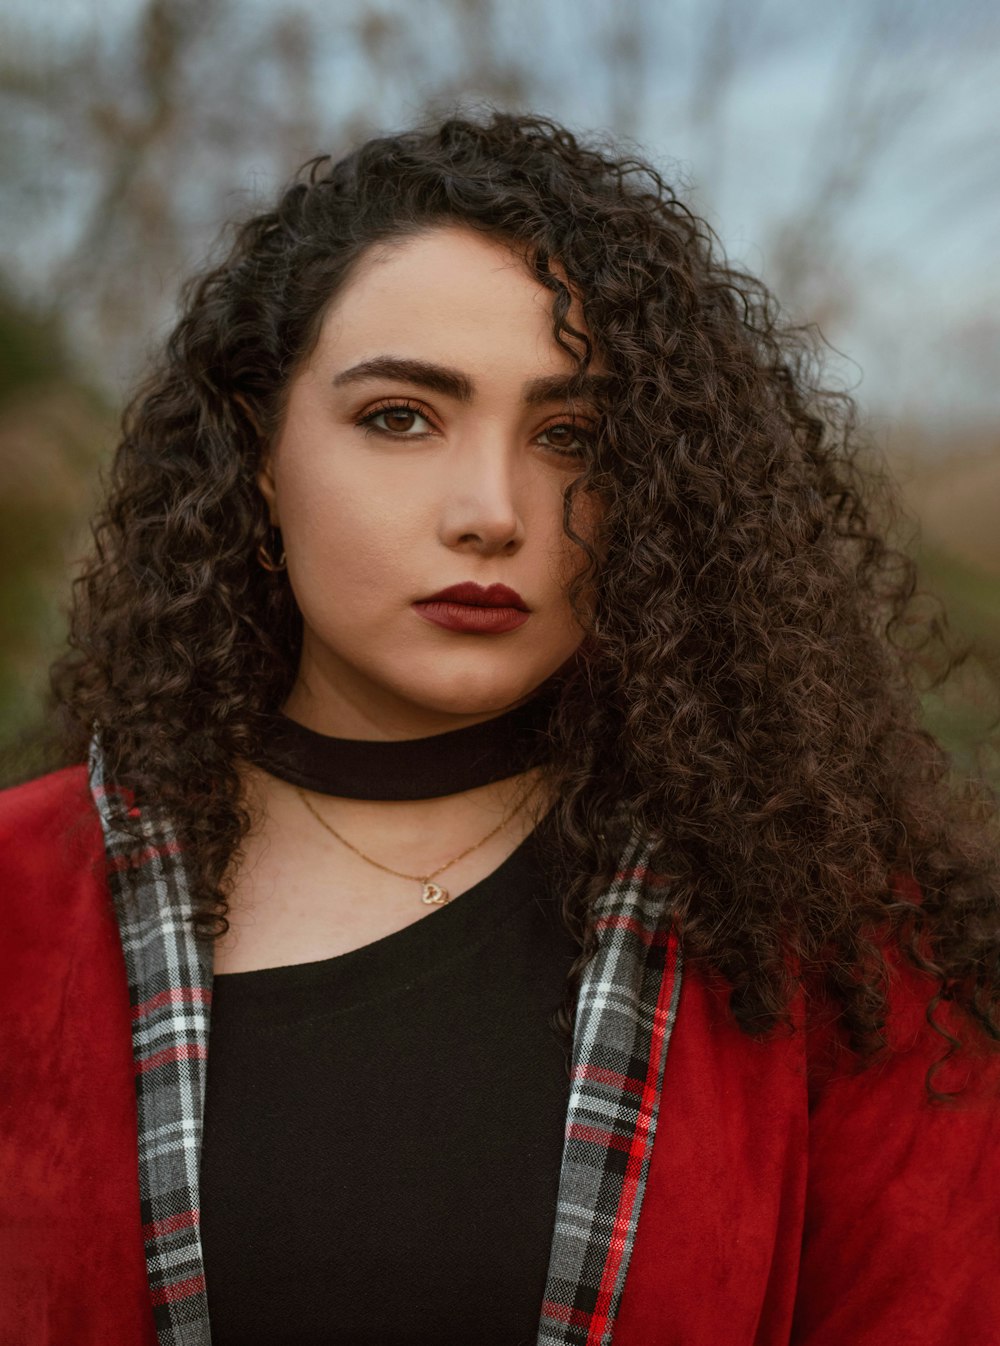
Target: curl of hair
x,y
747,694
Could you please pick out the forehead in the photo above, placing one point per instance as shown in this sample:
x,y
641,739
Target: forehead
x,y
448,293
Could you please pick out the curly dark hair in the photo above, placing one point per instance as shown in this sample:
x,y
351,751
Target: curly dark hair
x,y
748,697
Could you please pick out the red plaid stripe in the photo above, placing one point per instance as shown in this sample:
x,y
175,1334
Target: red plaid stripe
x,y
170,989
626,1011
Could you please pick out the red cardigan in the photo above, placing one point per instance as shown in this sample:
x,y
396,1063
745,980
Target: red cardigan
x,y
782,1208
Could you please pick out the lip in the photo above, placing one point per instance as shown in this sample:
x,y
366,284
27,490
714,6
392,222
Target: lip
x,y
495,596
470,608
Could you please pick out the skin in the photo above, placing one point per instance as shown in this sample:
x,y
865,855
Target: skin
x,y
375,517
379,508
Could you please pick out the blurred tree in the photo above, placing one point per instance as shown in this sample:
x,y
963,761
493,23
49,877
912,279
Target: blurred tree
x,y
52,435
152,129
132,138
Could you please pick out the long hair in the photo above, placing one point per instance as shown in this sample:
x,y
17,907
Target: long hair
x,y
747,695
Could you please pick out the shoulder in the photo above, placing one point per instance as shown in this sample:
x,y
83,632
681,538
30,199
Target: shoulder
x,y
49,827
56,916
814,1046
918,1029
39,792
47,804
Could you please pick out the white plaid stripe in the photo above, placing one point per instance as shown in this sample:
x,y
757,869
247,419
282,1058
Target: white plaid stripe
x,y
623,1026
163,958
627,1006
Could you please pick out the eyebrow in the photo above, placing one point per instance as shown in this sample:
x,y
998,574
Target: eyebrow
x,y
453,383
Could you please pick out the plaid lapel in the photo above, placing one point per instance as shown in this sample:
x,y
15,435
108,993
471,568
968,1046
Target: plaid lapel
x,y
626,1011
170,990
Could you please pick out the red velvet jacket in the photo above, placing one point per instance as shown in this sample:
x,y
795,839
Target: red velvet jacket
x,y
782,1205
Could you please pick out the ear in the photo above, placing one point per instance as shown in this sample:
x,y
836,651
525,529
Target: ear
x,y
266,486
265,473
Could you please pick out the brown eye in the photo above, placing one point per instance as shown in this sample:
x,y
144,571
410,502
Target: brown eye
x,y
566,438
398,420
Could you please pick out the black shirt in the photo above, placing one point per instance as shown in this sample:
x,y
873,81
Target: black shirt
x,y
384,1129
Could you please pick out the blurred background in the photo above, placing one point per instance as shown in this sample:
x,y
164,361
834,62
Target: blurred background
x,y
847,154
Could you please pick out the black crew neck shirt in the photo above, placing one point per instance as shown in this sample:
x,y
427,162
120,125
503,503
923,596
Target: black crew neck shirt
x,y
383,1130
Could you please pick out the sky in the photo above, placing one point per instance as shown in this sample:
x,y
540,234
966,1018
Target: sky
x,y
910,238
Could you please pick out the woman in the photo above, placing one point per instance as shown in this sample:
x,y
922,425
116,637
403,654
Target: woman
x,y
486,713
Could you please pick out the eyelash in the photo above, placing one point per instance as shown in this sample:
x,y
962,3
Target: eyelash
x,y
368,419
367,422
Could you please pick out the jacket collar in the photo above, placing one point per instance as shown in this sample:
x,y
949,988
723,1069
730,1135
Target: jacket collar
x,y
626,1009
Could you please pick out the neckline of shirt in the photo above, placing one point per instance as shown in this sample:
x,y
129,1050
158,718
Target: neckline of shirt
x,y
395,962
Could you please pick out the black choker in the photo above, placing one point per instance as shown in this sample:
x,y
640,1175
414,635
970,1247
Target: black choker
x,y
415,768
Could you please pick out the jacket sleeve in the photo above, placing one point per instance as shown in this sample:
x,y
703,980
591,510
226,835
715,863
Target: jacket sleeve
x,y
901,1244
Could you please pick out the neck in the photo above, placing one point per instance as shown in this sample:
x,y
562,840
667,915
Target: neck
x,y
478,754
395,721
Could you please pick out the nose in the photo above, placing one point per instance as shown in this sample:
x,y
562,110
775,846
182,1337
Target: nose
x,y
480,509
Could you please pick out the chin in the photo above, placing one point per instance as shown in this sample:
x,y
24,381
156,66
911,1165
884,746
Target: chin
x,y
485,694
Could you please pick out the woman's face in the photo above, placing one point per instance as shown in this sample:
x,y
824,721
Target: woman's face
x,y
426,443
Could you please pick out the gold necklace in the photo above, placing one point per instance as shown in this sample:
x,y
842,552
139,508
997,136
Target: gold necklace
x,y
433,894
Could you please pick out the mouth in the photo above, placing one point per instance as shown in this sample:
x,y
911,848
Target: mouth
x,y
475,610
469,594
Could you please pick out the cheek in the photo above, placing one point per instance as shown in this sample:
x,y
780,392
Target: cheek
x,y
568,556
570,560
344,534
330,501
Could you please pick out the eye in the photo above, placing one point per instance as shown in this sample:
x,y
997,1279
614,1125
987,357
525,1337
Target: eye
x,y
568,438
395,418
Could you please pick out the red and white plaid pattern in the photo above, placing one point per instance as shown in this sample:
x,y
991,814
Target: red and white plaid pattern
x,y
627,1006
626,1009
170,990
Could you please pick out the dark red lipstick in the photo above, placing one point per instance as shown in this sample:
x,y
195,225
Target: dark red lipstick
x,y
470,607
496,596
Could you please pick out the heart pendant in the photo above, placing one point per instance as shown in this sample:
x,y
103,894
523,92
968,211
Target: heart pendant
x,y
434,896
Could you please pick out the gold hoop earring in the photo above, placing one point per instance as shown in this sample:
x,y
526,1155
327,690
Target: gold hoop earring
x,y
267,560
